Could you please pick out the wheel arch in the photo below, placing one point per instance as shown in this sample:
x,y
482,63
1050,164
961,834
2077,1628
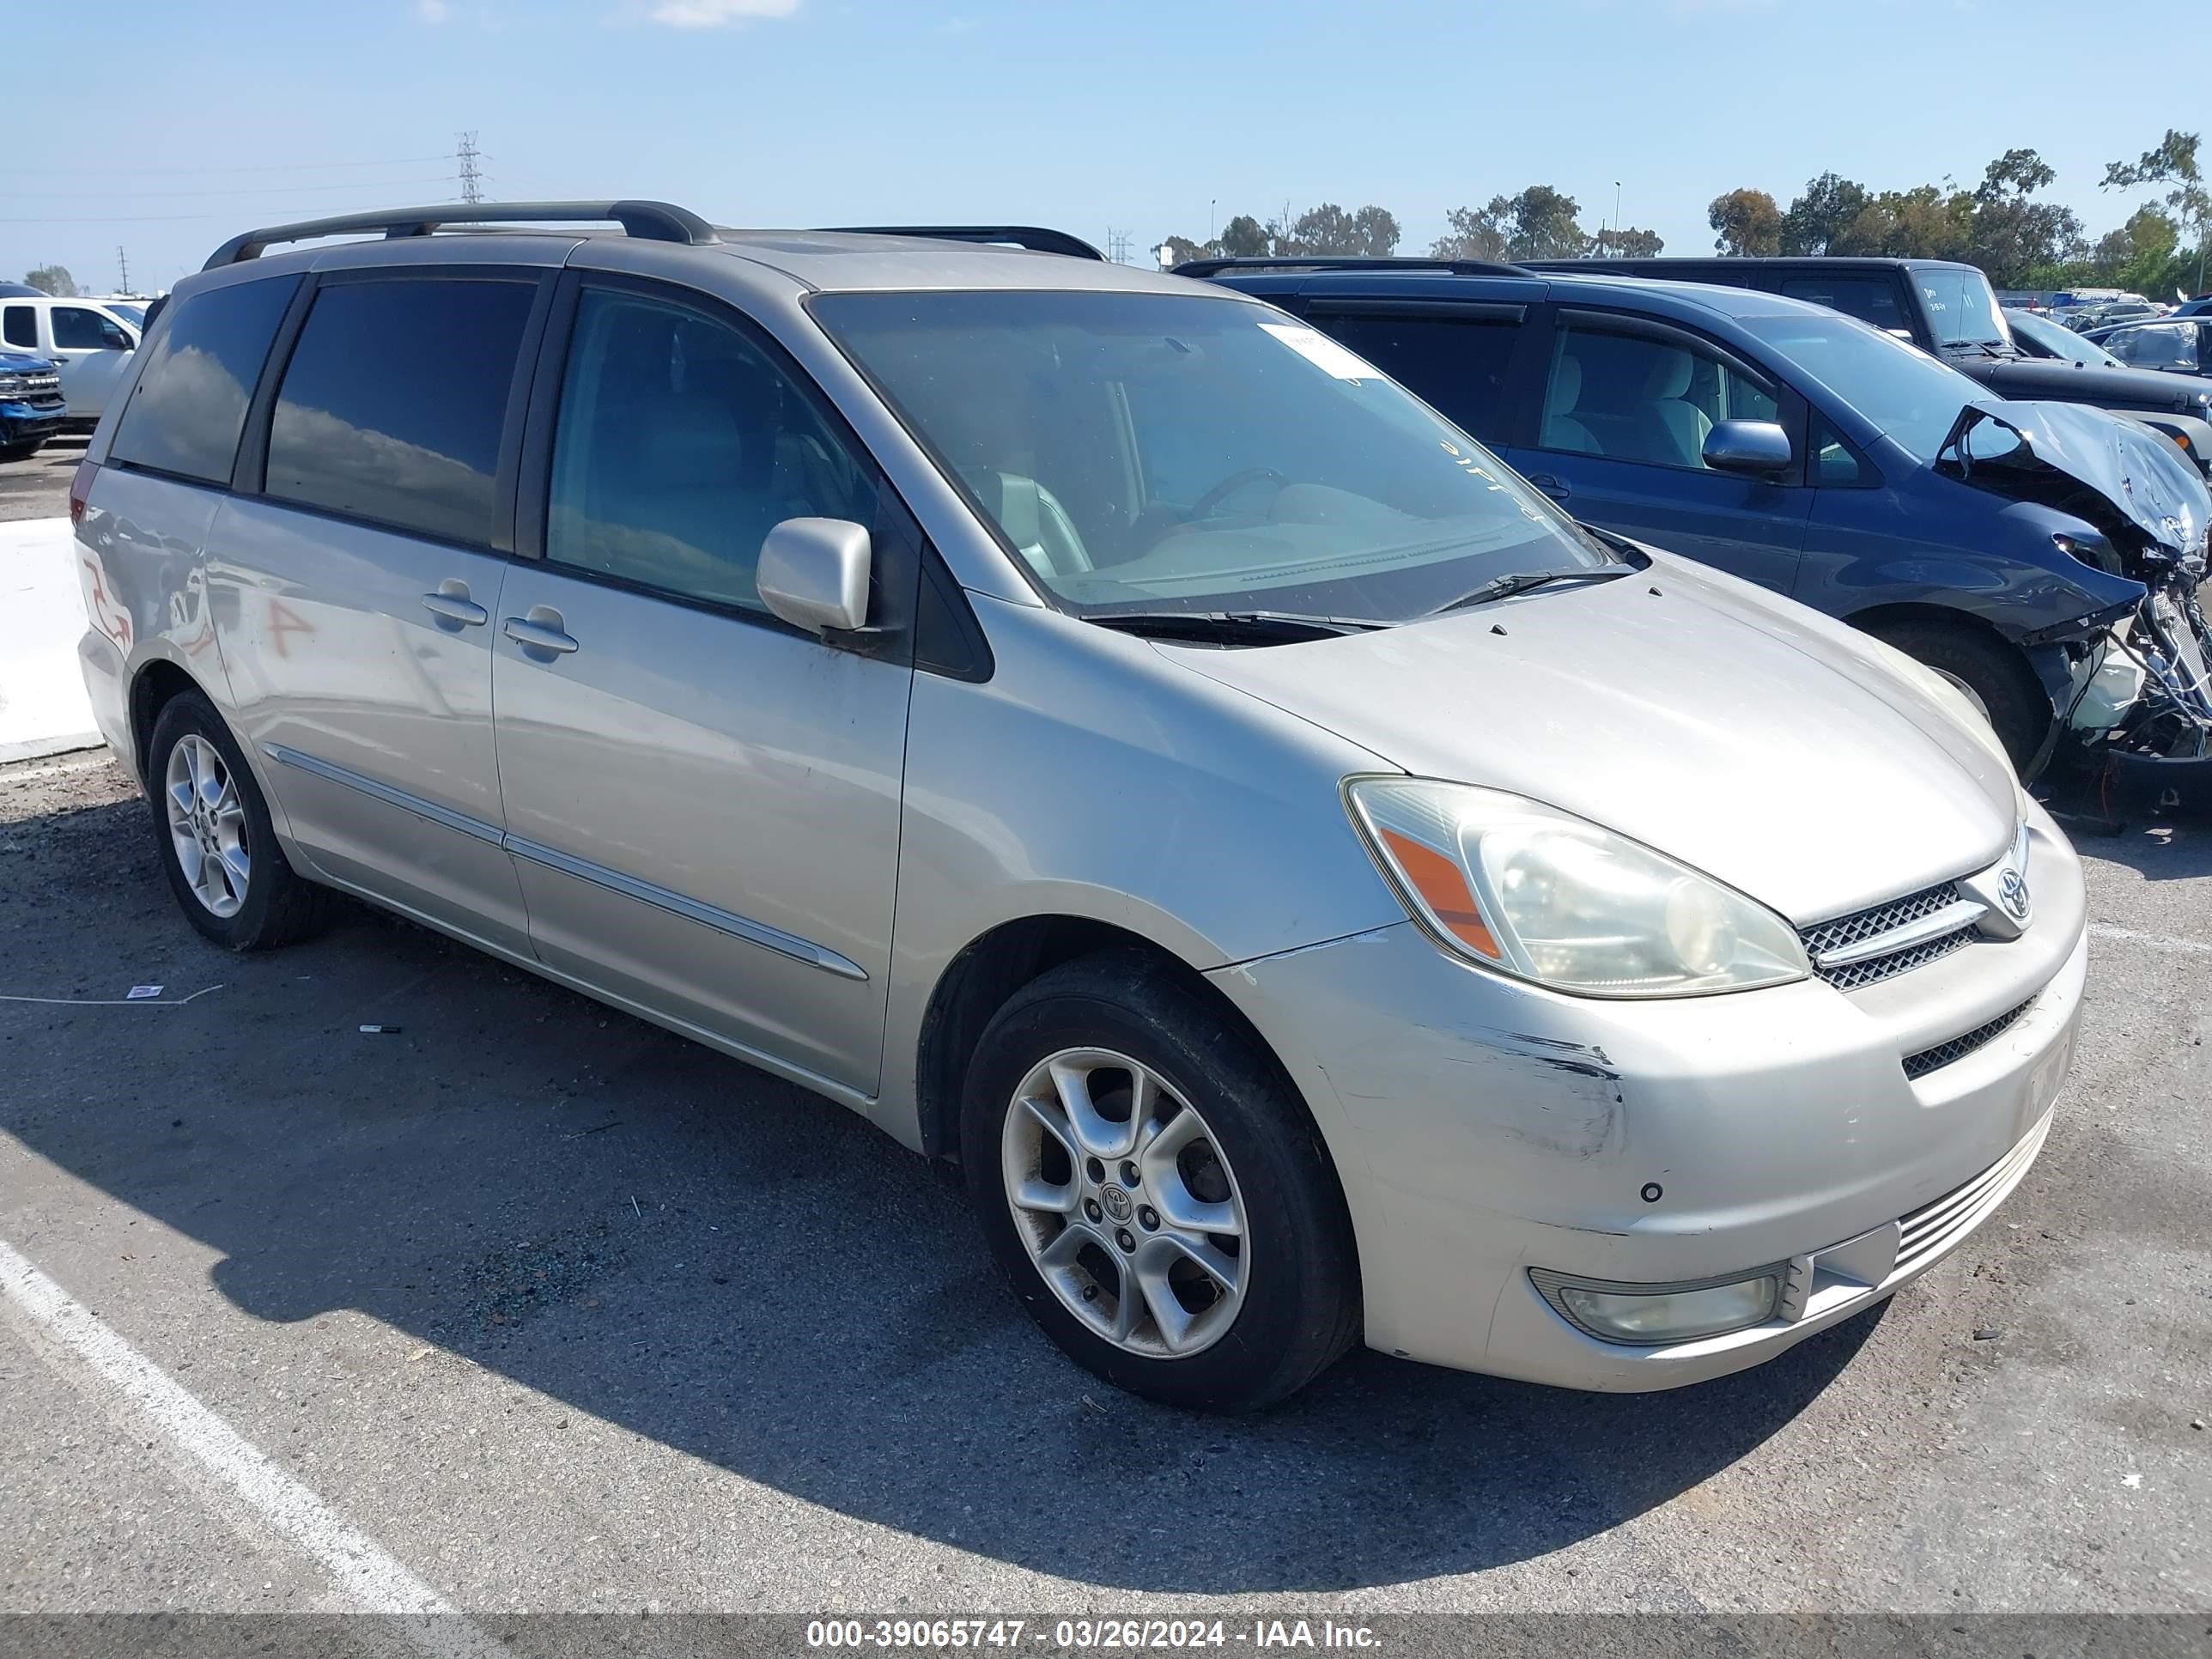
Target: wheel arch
x,y
986,971
157,683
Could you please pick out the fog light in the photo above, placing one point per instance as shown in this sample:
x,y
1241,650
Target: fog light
x,y
1650,1315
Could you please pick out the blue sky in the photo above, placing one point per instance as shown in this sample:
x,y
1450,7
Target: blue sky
x,y
189,119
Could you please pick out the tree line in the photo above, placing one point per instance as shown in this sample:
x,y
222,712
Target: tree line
x,y
1998,224
1538,223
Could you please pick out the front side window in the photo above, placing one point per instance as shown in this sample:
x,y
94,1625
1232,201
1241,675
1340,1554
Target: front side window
x,y
393,404
1634,398
1166,451
21,327
1456,365
80,328
1898,389
189,407
680,445
2156,345
1870,299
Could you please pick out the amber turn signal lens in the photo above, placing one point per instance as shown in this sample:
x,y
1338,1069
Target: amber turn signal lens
x,y
1444,889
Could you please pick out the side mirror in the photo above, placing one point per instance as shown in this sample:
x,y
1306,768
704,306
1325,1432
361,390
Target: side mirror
x,y
814,573
1750,447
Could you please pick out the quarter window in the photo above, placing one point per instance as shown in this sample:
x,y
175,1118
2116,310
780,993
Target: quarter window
x,y
22,327
1456,365
189,405
1632,397
679,445
393,404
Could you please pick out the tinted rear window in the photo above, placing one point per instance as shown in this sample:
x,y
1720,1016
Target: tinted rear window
x,y
393,403
189,407
1458,365
1871,299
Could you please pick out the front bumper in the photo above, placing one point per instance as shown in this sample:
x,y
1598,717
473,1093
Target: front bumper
x,y
23,423
1483,1128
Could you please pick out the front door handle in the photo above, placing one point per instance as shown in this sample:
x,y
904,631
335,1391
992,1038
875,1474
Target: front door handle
x,y
1552,484
536,634
452,604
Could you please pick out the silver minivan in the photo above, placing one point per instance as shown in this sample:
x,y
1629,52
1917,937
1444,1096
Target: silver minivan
x,y
1107,733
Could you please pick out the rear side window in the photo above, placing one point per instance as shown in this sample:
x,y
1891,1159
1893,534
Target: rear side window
x,y
393,403
189,407
1456,365
1870,299
23,327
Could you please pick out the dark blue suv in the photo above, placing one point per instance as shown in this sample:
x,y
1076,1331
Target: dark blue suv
x,y
2001,543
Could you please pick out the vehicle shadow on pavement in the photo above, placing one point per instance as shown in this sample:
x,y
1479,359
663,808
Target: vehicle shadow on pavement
x,y
667,1240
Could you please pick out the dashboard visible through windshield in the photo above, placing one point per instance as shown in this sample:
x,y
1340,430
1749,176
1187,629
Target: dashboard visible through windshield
x,y
1149,451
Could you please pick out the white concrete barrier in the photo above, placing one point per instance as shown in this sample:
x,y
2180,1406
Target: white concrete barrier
x,y
43,708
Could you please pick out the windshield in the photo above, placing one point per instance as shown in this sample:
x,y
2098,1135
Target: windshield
x,y
1148,452
1901,389
2155,345
1962,309
2056,340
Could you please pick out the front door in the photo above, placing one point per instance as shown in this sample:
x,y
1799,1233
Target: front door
x,y
355,596
702,802
91,350
1620,440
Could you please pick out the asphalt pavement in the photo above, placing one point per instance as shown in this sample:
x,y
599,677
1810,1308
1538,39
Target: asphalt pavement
x,y
525,1307
38,486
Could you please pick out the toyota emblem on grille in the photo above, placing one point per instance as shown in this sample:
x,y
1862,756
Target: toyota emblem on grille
x,y
2012,893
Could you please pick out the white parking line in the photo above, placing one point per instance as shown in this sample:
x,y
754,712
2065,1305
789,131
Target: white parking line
x,y
363,1570
2194,947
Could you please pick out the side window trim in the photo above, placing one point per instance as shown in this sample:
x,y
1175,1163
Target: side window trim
x,y
249,476
900,549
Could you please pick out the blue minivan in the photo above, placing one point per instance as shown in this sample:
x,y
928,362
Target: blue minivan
x,y
2012,546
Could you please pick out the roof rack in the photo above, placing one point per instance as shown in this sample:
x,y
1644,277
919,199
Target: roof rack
x,y
1035,237
1345,262
657,222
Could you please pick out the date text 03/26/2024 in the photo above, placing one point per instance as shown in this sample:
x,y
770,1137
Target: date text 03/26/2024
x,y
1084,1635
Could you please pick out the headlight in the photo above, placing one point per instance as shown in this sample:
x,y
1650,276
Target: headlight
x,y
1535,892
12,386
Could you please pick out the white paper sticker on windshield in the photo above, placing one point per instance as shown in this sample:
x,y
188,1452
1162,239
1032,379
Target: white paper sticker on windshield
x,y
1322,352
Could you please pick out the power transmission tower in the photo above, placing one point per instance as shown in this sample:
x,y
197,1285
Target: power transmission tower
x,y
126,263
472,177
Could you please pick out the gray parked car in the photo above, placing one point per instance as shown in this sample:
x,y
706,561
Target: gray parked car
x,y
1099,729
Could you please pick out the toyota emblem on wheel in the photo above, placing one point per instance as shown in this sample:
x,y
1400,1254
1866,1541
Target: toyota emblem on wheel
x,y
2012,893
1119,1204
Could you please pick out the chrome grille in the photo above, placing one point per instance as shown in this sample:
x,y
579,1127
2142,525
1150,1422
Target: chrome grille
x,y
1864,925
1929,1060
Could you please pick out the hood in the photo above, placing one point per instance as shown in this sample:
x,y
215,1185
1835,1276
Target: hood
x,y
2109,388
2116,473
1751,738
23,363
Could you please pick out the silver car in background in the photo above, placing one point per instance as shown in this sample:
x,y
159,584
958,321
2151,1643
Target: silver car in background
x,y
1104,732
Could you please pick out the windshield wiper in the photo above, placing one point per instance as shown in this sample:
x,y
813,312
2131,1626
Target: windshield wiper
x,y
1237,627
1522,581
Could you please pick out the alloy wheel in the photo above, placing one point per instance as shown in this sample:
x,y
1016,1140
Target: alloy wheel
x,y
207,825
1125,1203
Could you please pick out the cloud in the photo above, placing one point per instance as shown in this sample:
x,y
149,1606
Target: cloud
x,y
432,11
718,13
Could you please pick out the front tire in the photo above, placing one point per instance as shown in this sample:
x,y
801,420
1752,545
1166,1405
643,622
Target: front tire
x,y
1992,673
218,846
21,452
1156,1190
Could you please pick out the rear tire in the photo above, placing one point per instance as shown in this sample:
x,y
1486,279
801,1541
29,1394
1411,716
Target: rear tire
x,y
218,846
1994,673
1218,1320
